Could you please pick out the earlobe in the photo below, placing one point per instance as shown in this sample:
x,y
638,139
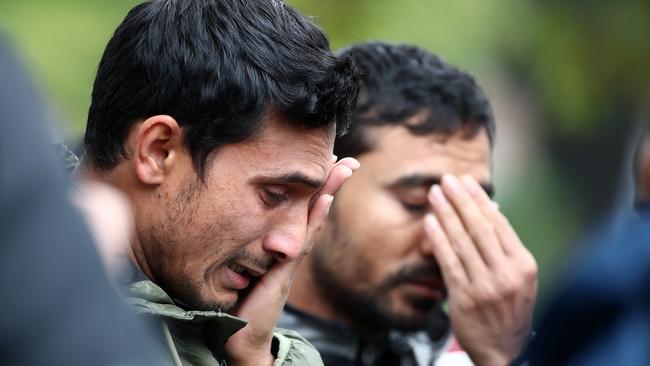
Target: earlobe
x,y
157,142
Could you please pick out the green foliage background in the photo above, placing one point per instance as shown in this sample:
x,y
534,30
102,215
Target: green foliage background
x,y
585,63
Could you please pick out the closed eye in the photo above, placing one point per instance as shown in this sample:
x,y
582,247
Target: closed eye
x,y
415,208
273,198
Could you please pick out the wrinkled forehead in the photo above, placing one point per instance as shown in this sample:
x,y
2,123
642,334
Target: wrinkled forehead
x,y
397,152
284,146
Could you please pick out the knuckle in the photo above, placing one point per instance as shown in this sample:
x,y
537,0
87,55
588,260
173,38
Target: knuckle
x,y
510,288
480,230
448,213
531,271
454,275
487,294
502,219
467,304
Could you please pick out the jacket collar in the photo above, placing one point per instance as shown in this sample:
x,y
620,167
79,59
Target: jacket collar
x,y
148,298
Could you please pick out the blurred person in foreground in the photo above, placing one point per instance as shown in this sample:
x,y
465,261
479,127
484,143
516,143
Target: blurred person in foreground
x,y
600,313
373,289
57,306
217,119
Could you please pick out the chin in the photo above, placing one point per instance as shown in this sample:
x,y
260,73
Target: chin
x,y
411,315
419,315
211,301
225,301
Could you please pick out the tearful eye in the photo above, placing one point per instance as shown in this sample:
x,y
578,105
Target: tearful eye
x,y
272,197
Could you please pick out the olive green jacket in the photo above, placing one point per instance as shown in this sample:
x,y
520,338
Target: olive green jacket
x,y
197,338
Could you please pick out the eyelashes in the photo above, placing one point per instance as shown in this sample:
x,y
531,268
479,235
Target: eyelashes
x,y
273,198
415,208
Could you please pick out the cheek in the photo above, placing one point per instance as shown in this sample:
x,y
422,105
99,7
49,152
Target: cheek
x,y
211,228
386,225
380,234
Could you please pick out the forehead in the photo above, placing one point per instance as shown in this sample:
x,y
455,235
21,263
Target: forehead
x,y
396,152
281,148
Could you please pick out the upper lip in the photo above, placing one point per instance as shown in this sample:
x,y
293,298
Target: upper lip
x,y
435,281
252,271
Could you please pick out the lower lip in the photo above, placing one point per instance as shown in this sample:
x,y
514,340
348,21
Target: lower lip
x,y
236,280
426,290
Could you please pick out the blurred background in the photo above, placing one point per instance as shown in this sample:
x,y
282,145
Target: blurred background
x,y
568,81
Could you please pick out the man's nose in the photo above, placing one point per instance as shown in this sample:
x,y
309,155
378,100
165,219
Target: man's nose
x,y
286,242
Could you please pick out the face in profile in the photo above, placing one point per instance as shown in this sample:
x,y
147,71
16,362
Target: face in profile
x,y
207,242
373,260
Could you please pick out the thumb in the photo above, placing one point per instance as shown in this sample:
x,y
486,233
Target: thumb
x,y
318,213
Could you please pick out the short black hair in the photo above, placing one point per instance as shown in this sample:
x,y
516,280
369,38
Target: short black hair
x,y
217,67
402,81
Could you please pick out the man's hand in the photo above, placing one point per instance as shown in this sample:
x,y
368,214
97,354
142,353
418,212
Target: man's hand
x,y
263,305
491,277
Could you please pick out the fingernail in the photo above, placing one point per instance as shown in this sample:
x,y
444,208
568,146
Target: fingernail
x,y
436,196
348,172
356,164
495,206
330,198
334,158
451,183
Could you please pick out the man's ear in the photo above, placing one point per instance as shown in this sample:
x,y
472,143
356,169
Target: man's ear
x,y
157,143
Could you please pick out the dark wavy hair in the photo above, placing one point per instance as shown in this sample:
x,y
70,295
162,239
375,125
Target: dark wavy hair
x,y
403,81
218,67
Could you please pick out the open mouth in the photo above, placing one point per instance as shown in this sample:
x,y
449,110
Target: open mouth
x,y
244,271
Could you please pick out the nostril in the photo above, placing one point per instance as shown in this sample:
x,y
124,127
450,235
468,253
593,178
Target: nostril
x,y
280,256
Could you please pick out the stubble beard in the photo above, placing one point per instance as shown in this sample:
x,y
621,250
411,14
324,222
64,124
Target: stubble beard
x,y
184,289
371,309
164,238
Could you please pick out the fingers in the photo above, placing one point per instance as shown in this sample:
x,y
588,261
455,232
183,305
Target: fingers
x,y
450,265
460,240
490,276
508,238
321,202
338,175
470,219
340,172
319,212
352,163
477,218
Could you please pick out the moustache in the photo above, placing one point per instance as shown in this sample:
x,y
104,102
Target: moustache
x,y
416,273
243,256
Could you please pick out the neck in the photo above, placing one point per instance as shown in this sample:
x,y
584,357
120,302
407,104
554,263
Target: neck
x,y
306,295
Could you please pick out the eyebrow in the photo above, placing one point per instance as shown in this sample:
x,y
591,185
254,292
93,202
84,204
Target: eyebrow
x,y
299,178
419,180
